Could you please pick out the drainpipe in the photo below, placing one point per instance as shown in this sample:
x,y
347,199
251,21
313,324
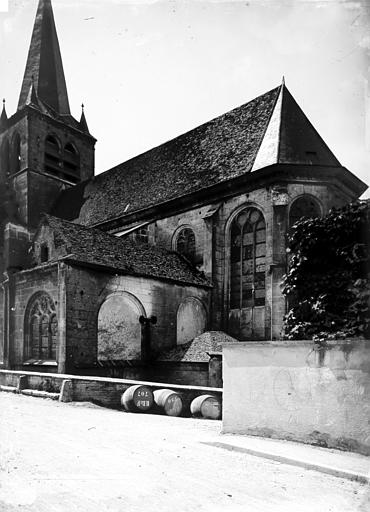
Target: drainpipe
x,y
5,287
62,312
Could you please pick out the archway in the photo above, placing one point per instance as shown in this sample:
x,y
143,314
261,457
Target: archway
x,y
191,320
119,329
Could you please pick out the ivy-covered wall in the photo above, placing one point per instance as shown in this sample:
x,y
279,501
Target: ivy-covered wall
x,y
327,284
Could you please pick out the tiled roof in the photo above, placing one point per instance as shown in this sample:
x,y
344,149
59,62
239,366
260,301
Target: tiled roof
x,y
94,247
217,151
197,350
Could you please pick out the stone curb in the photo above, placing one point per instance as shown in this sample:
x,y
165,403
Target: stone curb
x,y
329,470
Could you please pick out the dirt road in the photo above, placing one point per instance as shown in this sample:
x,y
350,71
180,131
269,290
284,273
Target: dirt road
x,y
79,457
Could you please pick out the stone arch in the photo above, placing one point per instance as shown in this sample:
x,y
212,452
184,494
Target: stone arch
x,y
40,328
305,205
191,320
119,329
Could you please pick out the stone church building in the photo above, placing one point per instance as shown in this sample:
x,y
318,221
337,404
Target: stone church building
x,y
102,271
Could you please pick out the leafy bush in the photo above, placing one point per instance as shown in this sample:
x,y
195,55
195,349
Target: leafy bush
x,y
328,280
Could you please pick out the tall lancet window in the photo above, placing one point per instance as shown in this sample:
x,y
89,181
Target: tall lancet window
x,y
248,266
71,163
53,164
16,154
41,328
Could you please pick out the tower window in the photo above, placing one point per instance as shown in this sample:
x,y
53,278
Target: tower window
x,y
44,253
185,243
247,265
5,157
71,163
52,156
16,154
63,164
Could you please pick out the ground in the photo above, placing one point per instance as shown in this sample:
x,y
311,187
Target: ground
x,y
79,457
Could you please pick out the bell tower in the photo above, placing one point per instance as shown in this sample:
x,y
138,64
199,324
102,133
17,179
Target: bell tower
x,y
44,149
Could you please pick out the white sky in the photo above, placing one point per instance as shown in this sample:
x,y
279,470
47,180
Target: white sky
x,y
148,71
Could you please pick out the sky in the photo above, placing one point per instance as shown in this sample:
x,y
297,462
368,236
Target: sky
x,y
150,70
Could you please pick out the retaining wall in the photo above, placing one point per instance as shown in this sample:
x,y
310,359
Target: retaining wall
x,y
299,391
99,390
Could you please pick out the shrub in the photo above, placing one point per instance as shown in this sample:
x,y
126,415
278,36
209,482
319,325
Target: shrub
x,y
327,284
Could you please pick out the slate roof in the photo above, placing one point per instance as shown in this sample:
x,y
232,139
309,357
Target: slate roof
x,y
196,351
93,247
44,67
217,151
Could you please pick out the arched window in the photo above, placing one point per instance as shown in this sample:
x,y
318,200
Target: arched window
x,y
44,253
304,206
41,328
63,164
16,154
5,158
71,163
53,162
185,243
248,251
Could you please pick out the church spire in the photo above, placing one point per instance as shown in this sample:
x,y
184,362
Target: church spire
x,y
44,66
3,118
83,122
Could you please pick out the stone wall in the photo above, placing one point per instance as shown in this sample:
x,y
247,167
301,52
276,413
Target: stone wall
x,y
298,391
87,290
211,225
99,390
26,285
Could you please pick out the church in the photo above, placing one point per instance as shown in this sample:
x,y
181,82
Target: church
x,y
102,273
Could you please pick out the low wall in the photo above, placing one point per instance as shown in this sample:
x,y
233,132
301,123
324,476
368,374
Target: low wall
x,y
177,372
299,391
100,390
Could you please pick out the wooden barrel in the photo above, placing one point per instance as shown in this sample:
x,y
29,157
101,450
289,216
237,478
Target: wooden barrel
x,y
137,399
207,406
169,401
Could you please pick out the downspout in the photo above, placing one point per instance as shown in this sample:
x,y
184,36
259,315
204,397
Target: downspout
x,y
62,312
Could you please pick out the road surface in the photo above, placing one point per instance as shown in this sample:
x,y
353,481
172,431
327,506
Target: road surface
x,y
58,457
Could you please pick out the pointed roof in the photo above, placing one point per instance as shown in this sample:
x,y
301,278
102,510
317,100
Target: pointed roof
x,y
32,98
83,122
270,129
44,63
290,138
3,118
